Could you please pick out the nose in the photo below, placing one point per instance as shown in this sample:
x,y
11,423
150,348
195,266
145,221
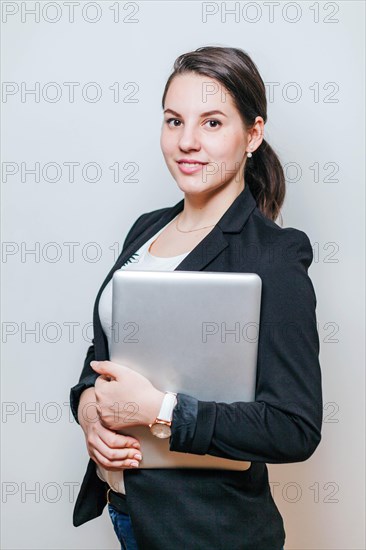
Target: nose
x,y
189,139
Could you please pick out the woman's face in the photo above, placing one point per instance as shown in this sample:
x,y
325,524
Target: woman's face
x,y
218,139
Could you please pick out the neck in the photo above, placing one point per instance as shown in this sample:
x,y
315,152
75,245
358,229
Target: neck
x,y
207,208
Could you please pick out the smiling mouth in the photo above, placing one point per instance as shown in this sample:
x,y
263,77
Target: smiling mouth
x,y
188,168
192,163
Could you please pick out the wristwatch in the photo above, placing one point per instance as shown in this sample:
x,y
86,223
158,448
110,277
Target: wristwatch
x,y
161,425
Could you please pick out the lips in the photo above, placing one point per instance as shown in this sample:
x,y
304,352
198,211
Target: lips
x,y
190,161
189,167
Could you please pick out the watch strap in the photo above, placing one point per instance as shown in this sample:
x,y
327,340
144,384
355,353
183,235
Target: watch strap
x,y
167,406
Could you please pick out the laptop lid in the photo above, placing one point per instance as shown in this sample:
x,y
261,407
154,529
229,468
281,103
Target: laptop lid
x,y
193,332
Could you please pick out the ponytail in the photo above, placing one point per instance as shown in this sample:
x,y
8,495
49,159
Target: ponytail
x,y
264,175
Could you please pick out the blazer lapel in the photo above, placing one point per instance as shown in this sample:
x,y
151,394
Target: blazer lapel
x,y
232,221
206,250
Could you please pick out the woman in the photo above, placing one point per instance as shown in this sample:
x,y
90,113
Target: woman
x,y
212,140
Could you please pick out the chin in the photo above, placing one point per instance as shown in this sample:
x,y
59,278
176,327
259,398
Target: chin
x,y
193,188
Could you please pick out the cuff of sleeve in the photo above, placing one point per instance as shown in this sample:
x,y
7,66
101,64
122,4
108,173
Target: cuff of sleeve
x,y
192,425
76,392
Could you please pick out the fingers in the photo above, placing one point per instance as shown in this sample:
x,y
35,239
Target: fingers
x,y
118,453
115,440
112,451
107,368
126,459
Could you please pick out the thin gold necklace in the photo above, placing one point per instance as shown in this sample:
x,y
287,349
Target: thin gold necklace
x,y
181,231
190,231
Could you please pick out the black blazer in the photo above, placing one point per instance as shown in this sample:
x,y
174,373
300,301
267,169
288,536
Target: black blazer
x,y
221,509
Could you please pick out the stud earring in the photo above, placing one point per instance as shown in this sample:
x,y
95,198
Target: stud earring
x,y
249,154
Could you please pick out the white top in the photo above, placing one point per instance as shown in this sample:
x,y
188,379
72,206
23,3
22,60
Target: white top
x,y
142,259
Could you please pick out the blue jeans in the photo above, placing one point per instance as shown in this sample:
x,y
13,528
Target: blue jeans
x,y
123,528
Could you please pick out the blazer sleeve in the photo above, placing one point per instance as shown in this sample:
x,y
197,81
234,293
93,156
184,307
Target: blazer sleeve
x,y
283,424
88,376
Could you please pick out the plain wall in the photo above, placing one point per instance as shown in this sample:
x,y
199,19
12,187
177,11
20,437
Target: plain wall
x,y
311,56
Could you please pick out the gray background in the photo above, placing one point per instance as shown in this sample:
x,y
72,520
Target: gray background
x,y
314,53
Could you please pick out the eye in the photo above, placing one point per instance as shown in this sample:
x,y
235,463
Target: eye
x,y
214,120
169,120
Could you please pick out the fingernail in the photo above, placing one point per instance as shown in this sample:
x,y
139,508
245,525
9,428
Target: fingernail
x,y
93,363
134,463
136,445
137,456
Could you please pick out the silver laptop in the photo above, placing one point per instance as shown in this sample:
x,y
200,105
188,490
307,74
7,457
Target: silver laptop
x,y
192,332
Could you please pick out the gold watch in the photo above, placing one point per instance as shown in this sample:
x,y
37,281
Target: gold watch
x,y
161,427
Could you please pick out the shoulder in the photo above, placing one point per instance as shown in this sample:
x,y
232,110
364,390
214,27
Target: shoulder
x,y
281,256
286,244
285,257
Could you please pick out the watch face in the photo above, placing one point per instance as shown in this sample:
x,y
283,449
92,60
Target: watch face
x,y
161,430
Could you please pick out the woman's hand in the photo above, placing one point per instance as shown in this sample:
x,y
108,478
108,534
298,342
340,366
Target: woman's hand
x,y
108,449
125,398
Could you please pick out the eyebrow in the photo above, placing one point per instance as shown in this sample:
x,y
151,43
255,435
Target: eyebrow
x,y
207,113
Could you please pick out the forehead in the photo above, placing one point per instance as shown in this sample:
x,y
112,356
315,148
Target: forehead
x,y
196,93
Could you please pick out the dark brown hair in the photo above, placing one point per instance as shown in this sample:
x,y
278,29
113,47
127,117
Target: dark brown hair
x,y
235,70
